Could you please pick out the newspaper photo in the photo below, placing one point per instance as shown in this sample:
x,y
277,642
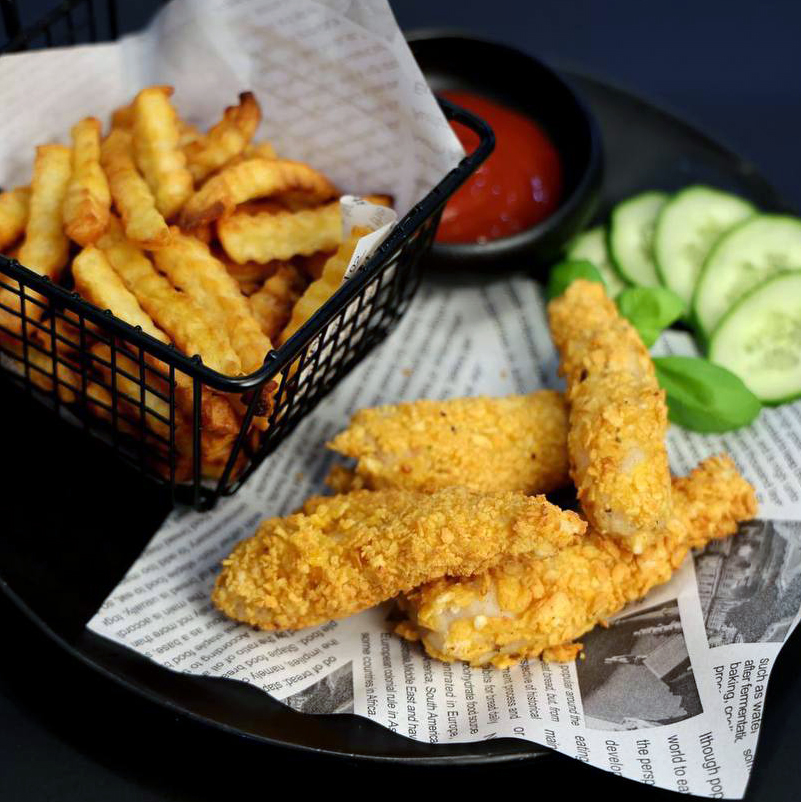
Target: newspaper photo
x,y
670,693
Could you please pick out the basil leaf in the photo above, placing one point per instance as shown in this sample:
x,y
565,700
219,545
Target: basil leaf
x,y
705,397
565,273
650,310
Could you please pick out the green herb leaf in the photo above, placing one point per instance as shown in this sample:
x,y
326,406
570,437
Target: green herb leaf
x,y
705,397
650,310
565,273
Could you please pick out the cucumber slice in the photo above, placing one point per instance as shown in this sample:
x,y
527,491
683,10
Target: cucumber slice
x,y
591,245
631,235
760,339
745,256
686,230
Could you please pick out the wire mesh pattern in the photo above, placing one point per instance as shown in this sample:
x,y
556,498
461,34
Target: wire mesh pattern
x,y
160,410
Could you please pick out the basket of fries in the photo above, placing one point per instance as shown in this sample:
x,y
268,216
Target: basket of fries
x,y
189,296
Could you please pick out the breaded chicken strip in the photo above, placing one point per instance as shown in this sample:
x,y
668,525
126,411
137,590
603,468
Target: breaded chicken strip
x,y
618,417
343,554
514,443
527,606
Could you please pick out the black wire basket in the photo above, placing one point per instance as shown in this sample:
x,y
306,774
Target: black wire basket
x,y
157,408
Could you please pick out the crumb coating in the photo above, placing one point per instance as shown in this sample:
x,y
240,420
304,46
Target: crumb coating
x,y
618,417
531,607
346,553
517,442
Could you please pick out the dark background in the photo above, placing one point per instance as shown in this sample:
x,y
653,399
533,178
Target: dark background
x,y
734,69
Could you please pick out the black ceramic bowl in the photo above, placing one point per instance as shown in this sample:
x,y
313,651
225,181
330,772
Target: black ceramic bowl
x,y
452,61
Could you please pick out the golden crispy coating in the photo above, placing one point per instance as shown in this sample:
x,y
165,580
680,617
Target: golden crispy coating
x,y
319,291
618,417
282,235
227,139
251,179
13,214
88,200
156,142
189,265
514,443
173,311
272,304
143,222
45,248
526,606
346,553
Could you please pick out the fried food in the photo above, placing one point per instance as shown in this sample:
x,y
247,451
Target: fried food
x,y
346,553
486,444
319,291
143,222
45,249
527,606
173,311
88,200
190,266
97,281
259,150
226,140
156,138
265,236
251,179
618,417
14,206
272,304
250,275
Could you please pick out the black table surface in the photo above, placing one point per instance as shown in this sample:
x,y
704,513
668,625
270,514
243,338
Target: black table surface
x,y
68,734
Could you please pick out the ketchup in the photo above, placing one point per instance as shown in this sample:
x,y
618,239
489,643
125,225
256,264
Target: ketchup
x,y
516,187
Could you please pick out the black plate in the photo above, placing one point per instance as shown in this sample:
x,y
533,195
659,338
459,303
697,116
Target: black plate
x,y
74,519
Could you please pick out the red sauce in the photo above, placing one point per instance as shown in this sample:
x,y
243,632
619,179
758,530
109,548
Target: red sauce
x,y
516,187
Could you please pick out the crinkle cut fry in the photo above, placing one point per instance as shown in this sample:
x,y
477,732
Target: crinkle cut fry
x,y
14,205
98,281
45,249
88,200
526,606
347,553
320,290
156,143
143,222
518,442
281,235
618,417
190,266
225,140
251,179
272,303
173,311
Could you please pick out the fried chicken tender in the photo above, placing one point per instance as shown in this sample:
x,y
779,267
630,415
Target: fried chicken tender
x,y
618,417
488,444
527,606
343,554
